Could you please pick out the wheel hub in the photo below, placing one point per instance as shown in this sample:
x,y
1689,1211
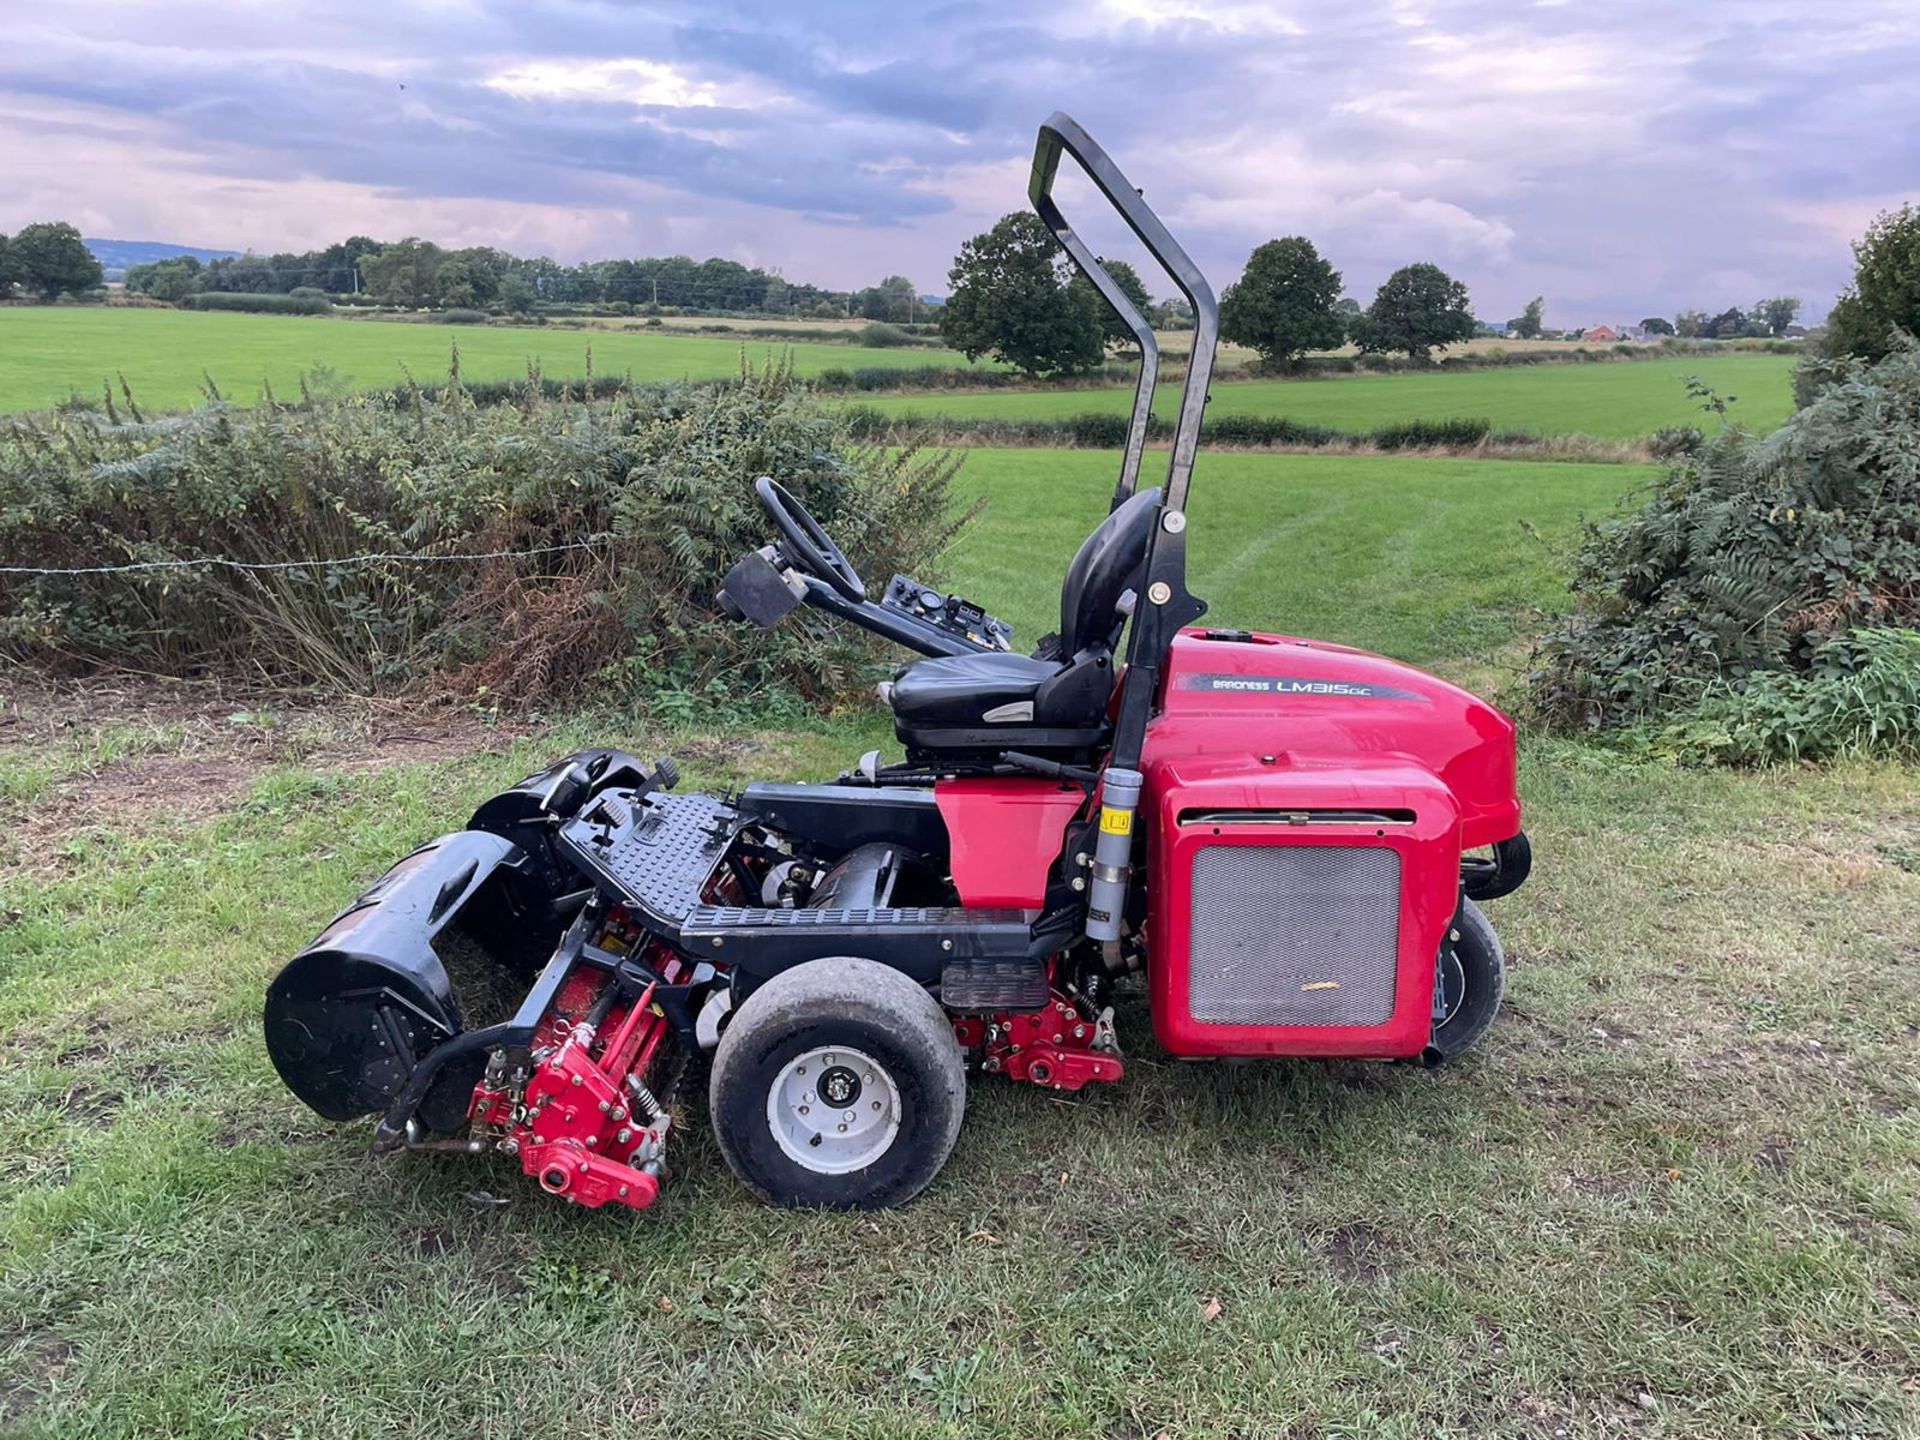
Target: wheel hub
x,y
834,1110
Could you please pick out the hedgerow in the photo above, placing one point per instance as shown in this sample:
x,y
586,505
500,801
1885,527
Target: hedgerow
x,y
1751,557
658,479
308,304
1107,430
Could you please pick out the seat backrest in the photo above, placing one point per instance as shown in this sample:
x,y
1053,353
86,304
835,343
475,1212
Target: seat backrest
x,y
1112,561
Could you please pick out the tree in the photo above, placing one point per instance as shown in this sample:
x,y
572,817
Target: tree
x,y
1727,325
902,299
51,259
1527,325
1419,307
7,274
1131,286
403,273
1688,322
1885,293
170,280
1777,313
517,293
1654,325
1010,298
1284,303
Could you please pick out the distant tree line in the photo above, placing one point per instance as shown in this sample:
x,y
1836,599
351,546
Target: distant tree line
x,y
1014,295
417,274
47,261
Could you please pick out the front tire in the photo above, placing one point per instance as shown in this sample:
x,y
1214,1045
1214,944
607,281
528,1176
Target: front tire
x,y
1473,980
839,1084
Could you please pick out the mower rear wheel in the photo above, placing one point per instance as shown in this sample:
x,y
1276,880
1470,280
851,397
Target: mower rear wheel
x,y
839,1084
1473,979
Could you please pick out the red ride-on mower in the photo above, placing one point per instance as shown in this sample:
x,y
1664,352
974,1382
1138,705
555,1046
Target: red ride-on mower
x,y
1279,833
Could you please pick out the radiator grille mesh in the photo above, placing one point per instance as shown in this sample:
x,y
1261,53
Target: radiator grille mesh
x,y
1294,935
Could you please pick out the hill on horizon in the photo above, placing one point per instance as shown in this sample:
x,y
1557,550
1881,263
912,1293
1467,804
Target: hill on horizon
x,y
116,255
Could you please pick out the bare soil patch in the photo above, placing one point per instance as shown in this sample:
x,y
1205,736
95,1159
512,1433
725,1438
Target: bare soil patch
x,y
120,753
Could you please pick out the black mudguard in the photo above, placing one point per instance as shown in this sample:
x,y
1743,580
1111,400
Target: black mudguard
x,y
529,812
445,940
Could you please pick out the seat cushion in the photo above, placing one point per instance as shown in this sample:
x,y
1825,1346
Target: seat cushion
x,y
994,687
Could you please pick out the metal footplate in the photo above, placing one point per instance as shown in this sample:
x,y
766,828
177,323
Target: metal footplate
x,y
657,855
919,940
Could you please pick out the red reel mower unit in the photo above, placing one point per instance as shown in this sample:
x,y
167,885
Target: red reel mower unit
x,y
1286,838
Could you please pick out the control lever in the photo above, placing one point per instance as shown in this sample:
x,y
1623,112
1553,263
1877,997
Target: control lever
x,y
1052,769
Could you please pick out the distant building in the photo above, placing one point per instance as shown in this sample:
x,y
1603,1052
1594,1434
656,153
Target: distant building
x,y
1603,335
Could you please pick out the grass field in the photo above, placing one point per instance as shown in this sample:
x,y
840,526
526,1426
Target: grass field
x,y
49,353
1615,401
1676,1194
1426,559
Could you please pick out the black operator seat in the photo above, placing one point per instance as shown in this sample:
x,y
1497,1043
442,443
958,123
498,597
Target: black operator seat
x,y
1057,700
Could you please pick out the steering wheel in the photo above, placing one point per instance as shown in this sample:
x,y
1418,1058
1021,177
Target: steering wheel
x,y
807,544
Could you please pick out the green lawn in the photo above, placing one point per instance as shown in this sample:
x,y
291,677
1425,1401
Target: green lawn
x,y
1614,401
1423,559
1676,1193
47,353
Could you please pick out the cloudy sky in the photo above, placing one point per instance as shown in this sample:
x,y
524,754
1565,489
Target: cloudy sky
x,y
1621,157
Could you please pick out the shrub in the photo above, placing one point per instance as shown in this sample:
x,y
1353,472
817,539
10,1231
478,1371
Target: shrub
x,y
463,316
1672,441
315,304
658,478
1432,434
1861,695
884,337
1750,556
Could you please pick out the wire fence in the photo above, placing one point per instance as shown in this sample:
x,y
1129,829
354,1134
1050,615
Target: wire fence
x,y
341,562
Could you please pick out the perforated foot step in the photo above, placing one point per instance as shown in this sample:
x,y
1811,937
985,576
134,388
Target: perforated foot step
x,y
993,985
657,855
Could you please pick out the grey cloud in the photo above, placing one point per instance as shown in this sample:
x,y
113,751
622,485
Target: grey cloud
x,y
1623,159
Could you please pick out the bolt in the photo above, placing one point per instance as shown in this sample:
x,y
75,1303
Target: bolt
x,y
619,1112
803,1109
799,1069
843,1129
946,944
604,1107
593,1139
1079,882
850,1117
623,1192
1079,1032
577,1080
623,1135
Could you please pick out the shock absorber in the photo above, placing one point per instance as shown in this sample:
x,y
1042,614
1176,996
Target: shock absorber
x,y
1113,853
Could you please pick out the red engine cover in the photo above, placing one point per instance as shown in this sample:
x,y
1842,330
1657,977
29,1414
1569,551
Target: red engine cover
x,y
1271,742
1275,695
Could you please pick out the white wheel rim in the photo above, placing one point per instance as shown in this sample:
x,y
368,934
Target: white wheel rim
x,y
833,1110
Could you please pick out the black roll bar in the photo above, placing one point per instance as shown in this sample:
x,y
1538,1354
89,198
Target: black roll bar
x,y
1167,605
1061,133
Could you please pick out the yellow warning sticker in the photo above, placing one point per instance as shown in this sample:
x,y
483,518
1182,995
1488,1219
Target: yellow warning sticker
x,y
1116,822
